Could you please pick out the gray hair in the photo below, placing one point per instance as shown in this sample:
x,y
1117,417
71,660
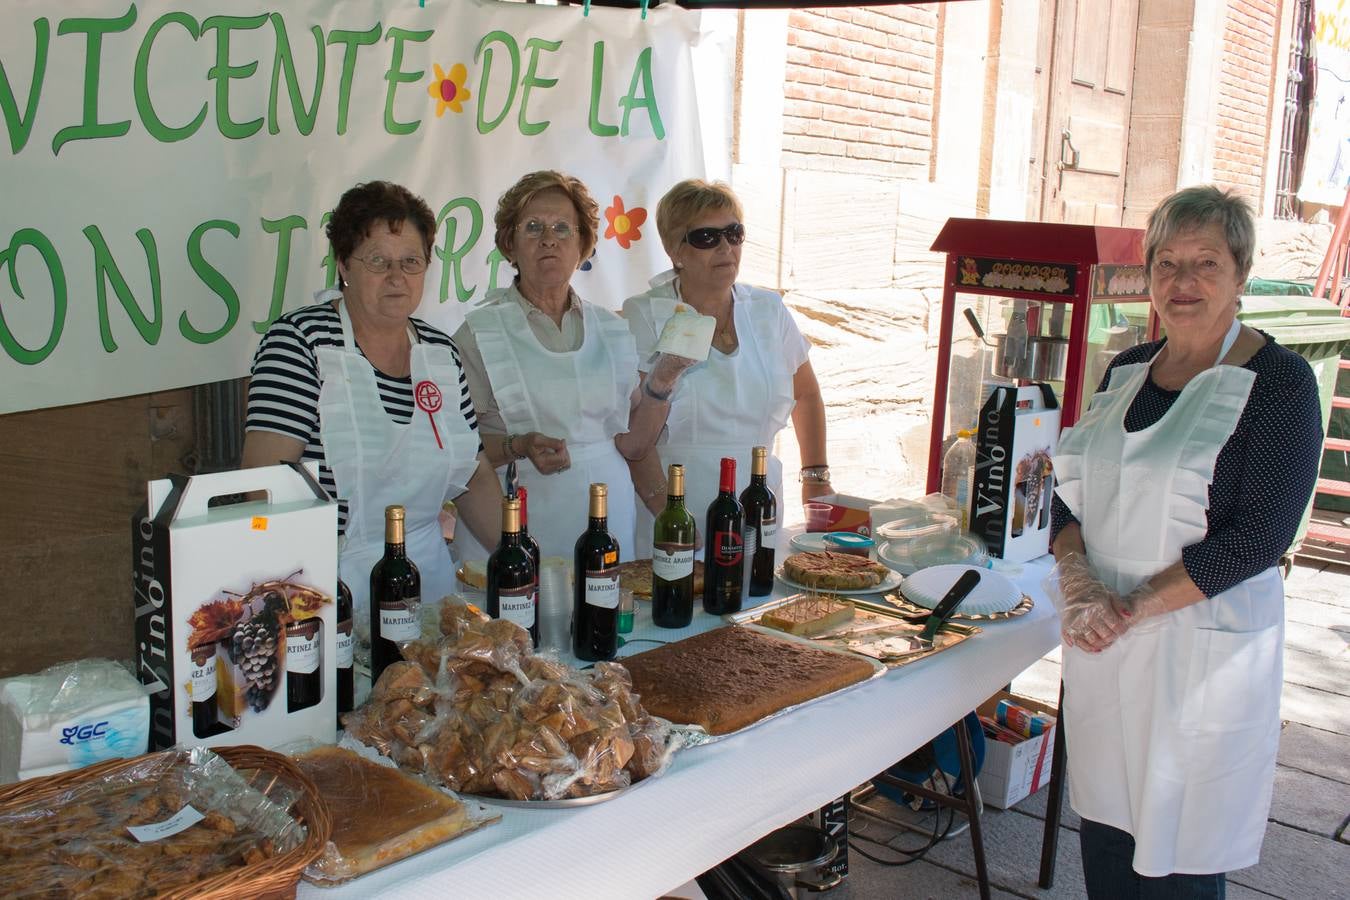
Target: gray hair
x,y
1200,207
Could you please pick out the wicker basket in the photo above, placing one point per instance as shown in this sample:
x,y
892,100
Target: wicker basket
x,y
266,772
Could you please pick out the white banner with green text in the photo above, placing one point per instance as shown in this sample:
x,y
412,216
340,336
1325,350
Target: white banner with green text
x,y
166,168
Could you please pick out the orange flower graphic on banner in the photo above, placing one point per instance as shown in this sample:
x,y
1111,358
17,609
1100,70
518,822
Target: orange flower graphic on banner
x,y
449,90
623,225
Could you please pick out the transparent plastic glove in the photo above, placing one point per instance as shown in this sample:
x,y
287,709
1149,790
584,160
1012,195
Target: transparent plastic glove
x,y
1073,584
1094,627
666,372
1141,603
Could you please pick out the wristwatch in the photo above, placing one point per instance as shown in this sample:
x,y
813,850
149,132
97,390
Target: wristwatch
x,y
819,474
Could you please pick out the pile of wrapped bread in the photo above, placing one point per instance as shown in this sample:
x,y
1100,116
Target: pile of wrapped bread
x,y
476,711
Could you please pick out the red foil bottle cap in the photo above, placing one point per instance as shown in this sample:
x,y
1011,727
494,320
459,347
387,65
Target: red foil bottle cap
x,y
728,479
523,495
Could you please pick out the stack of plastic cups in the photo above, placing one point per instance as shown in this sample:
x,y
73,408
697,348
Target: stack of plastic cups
x,y
555,605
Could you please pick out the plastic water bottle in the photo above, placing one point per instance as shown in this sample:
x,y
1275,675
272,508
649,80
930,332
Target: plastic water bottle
x,y
958,470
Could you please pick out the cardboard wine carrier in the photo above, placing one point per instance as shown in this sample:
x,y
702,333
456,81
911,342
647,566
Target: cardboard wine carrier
x,y
235,612
1010,497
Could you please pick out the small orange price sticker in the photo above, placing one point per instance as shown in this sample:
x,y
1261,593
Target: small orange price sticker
x,y
259,523
611,557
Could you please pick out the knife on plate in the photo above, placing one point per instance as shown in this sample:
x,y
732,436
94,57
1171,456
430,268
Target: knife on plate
x,y
945,608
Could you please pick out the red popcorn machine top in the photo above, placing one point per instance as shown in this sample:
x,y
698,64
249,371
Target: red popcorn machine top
x,y
1027,302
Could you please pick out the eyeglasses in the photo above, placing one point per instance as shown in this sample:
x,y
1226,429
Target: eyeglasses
x,y
708,238
378,265
534,229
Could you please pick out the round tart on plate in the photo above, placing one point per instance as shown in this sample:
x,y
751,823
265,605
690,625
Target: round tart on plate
x,y
636,575
827,570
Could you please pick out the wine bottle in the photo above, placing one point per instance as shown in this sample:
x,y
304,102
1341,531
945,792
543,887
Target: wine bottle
x,y
595,607
395,594
512,579
673,558
726,560
304,663
761,524
205,720
526,541
346,681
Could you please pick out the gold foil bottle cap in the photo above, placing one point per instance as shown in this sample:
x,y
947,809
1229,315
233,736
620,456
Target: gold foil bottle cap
x,y
394,512
510,515
675,481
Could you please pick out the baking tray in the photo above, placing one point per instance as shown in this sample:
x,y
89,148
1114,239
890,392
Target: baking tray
x,y
867,634
695,736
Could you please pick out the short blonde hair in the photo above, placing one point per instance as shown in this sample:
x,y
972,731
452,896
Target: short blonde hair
x,y
1199,207
519,195
686,202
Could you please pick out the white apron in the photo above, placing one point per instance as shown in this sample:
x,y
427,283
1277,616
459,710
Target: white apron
x,y
377,462
1172,730
583,397
724,407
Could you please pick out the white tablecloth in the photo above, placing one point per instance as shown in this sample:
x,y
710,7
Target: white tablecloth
x,y
718,798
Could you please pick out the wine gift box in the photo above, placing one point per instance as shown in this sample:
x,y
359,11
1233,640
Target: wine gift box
x,y
1010,498
235,611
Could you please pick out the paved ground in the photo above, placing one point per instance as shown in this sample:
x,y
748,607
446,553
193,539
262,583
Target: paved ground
x,y
1305,852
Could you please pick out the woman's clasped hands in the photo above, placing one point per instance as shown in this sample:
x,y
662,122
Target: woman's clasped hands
x,y
1092,615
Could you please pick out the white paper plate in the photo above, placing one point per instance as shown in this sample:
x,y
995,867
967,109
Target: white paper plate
x,y
994,594
889,583
809,542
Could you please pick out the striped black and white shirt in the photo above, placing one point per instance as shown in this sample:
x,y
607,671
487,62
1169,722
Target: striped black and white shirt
x,y
283,394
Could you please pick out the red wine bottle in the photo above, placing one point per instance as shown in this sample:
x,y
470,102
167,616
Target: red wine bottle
x,y
761,524
205,719
395,594
346,680
726,558
595,606
526,540
304,663
673,558
512,579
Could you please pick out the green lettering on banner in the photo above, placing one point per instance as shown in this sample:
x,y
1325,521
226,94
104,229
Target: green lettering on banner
x,y
212,278
485,52
141,82
285,62
330,272
222,73
90,127
494,261
353,40
282,228
396,76
598,128
21,126
642,75
451,256
531,81
106,272
31,237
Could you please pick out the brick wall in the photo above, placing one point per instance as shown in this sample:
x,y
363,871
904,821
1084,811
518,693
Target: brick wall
x,y
1246,76
859,89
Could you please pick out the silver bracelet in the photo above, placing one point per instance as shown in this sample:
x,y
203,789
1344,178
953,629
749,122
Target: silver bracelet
x,y
510,447
816,474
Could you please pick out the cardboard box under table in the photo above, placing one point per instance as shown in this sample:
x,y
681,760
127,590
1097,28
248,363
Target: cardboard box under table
x,y
236,627
1014,771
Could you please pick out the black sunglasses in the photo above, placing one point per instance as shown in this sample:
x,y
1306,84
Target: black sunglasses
x,y
708,238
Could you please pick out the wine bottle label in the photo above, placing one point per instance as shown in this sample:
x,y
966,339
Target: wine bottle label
x,y
768,528
204,679
344,644
727,548
602,588
398,623
671,562
751,540
518,604
302,647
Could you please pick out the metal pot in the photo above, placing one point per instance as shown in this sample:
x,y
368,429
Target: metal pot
x,y
1046,359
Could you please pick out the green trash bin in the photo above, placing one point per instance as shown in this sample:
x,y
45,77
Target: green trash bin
x,y
1314,329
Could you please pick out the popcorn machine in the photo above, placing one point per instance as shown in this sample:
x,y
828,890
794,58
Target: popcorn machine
x,y
1026,302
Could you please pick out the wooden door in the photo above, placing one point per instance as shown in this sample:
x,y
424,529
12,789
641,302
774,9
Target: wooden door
x,y
1088,118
